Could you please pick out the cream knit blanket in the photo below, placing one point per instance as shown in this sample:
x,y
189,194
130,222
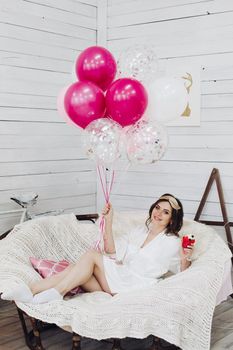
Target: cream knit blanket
x,y
178,309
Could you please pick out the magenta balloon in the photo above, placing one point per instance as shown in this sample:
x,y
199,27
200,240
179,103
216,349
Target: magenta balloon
x,y
96,64
84,102
61,106
126,101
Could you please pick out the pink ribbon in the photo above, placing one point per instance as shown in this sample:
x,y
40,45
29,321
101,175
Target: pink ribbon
x,y
103,180
106,188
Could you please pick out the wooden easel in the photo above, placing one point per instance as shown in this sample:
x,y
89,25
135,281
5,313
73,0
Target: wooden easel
x,y
215,176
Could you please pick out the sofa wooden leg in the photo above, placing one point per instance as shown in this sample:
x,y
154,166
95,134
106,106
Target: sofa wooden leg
x,y
116,344
36,333
25,331
155,343
76,342
32,337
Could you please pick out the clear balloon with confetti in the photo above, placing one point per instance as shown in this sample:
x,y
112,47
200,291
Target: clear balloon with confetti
x,y
102,141
139,62
146,142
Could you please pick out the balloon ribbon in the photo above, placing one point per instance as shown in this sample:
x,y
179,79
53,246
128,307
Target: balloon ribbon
x,y
106,188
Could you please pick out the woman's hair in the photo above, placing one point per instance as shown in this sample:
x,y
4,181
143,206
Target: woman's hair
x,y
176,221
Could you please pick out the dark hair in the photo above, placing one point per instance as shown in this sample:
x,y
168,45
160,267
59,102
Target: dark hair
x,y
176,221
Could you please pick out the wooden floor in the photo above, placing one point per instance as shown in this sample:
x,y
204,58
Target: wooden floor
x,y
11,334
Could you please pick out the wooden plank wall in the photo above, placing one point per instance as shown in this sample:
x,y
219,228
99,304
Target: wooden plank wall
x,y
39,41
201,32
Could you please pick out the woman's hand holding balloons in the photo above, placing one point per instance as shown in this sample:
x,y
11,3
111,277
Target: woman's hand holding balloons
x,y
107,212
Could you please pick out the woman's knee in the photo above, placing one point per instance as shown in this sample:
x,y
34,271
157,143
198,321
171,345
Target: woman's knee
x,y
92,255
70,266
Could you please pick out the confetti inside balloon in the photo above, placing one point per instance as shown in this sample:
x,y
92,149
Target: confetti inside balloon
x,y
146,142
102,141
139,62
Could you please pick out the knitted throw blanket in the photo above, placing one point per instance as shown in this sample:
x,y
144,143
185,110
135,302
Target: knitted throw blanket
x,y
178,309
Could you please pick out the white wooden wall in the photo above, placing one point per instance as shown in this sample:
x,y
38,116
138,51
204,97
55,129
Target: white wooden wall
x,y
39,41
197,31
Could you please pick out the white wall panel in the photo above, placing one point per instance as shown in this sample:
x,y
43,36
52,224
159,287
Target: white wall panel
x,y
157,31
88,2
37,128
43,37
130,6
39,42
44,11
33,23
36,154
25,87
56,191
184,32
39,152
46,167
37,115
75,7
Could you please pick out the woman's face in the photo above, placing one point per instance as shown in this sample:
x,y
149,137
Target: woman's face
x,y
161,214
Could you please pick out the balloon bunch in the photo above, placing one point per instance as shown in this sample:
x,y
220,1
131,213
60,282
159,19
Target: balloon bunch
x,y
101,105
108,109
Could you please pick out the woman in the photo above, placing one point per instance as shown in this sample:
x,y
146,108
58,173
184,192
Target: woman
x,y
149,253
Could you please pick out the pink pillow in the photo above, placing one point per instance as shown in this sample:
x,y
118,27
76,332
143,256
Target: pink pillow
x,y
47,268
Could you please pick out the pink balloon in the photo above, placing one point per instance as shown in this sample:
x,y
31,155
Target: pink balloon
x,y
84,102
61,107
98,65
126,101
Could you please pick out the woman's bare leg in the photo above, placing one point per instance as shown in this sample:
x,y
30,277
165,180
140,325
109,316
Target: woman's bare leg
x,y
49,282
91,263
88,273
39,286
92,285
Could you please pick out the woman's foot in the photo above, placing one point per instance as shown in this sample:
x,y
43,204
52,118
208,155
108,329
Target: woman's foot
x,y
47,296
18,292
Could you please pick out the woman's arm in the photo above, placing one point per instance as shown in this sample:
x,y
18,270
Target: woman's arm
x,y
184,264
185,255
109,245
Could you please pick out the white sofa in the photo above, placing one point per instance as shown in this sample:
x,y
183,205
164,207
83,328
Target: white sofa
x,y
178,309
